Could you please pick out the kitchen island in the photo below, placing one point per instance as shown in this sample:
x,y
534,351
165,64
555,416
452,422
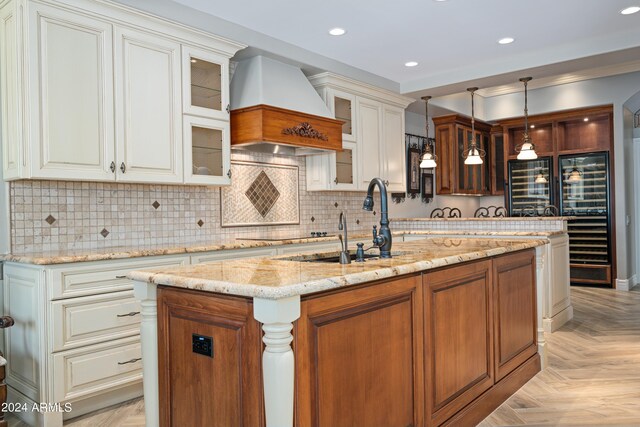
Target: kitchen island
x,y
440,334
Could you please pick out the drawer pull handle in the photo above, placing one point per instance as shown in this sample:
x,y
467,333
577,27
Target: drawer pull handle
x,y
133,313
130,361
121,277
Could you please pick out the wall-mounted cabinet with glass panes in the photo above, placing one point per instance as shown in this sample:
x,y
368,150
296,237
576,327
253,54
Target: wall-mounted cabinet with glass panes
x,y
372,137
453,138
207,155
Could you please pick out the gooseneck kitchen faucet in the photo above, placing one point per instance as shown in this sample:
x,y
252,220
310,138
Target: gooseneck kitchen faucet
x,y
382,239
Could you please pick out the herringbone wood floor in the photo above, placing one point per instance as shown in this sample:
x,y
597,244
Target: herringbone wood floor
x,y
593,378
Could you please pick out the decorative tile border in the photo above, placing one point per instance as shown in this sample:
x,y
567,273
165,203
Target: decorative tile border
x,y
261,194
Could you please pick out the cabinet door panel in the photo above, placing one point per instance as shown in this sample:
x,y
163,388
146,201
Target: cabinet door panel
x,y
356,349
149,113
458,338
445,150
205,87
197,390
515,311
370,116
10,83
72,95
394,149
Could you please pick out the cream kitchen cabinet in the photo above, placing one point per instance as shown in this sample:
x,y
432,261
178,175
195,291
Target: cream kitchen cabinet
x,y
77,334
372,138
149,120
92,91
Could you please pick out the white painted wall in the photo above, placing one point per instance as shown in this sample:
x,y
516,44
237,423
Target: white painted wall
x,y
4,213
631,224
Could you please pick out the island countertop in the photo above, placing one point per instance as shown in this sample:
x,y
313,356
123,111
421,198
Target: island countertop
x,y
286,276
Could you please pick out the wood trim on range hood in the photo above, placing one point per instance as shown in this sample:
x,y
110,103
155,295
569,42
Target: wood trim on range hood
x,y
265,124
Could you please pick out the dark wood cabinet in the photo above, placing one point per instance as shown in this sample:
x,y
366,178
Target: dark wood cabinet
x,y
459,363
583,130
497,161
356,349
514,296
198,390
453,137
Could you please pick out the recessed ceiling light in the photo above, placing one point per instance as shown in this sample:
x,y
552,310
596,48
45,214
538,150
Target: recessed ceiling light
x,y
630,10
440,0
337,31
410,64
506,40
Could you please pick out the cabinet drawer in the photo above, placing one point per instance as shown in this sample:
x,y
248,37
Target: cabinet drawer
x,y
90,320
231,255
74,280
94,369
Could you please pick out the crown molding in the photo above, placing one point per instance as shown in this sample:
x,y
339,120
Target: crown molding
x,y
589,74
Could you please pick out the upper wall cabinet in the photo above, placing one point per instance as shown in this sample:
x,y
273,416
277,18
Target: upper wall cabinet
x,y
205,83
372,137
453,136
105,99
148,128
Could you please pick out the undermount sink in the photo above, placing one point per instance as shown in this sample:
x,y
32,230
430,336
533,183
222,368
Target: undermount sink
x,y
333,257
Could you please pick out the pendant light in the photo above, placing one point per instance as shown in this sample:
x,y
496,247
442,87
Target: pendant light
x,y
473,155
428,158
526,150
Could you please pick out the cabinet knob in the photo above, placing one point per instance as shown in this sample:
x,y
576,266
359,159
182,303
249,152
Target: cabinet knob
x,y
229,173
335,180
112,167
386,183
123,168
228,109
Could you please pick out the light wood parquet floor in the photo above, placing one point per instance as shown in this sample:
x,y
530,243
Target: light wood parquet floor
x,y
593,378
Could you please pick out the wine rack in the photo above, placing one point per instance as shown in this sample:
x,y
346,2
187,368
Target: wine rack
x,y
585,195
530,187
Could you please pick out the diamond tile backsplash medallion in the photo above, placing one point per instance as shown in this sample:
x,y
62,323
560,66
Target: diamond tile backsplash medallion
x,y
260,194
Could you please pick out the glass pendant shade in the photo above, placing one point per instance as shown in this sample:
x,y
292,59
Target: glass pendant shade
x,y
428,161
527,152
473,158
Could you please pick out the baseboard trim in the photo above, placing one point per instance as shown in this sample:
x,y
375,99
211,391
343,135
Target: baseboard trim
x,y
554,323
624,284
484,405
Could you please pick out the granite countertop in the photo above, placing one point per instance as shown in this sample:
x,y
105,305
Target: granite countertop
x,y
282,277
506,218
87,255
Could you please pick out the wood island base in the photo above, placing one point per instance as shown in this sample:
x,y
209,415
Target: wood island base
x,y
443,347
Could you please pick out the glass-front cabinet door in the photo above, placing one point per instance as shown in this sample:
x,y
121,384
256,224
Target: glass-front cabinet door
x,y
530,184
343,167
343,106
207,151
205,83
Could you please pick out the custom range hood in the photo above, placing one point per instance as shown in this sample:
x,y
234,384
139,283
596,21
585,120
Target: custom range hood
x,y
274,109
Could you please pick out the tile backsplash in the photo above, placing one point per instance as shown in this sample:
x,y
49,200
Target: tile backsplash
x,y
57,215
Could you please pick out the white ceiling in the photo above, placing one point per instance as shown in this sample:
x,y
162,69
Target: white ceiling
x,y
454,41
